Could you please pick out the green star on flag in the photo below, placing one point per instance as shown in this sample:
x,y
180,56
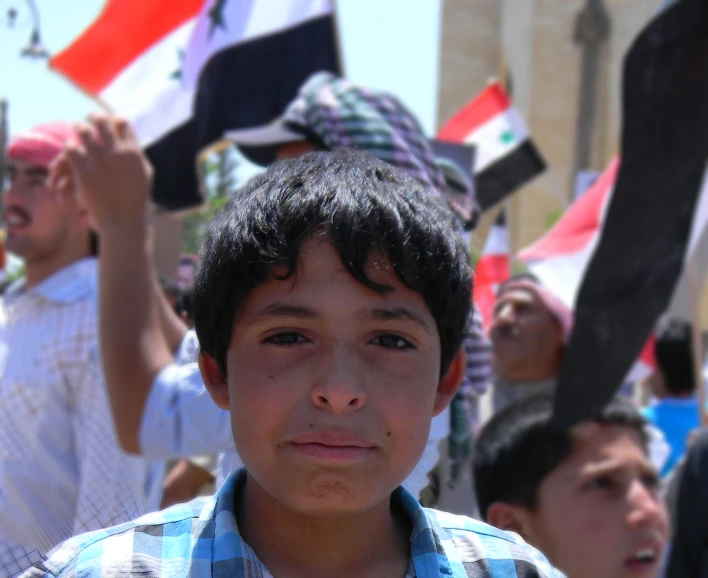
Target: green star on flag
x,y
177,74
507,137
216,15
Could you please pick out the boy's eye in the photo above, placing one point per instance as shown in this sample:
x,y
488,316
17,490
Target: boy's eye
x,y
651,482
286,339
391,341
602,483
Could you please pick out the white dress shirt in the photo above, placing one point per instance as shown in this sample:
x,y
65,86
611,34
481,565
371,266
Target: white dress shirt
x,y
180,420
61,469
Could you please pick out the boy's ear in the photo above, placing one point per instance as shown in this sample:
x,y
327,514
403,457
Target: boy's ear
x,y
451,381
512,518
214,380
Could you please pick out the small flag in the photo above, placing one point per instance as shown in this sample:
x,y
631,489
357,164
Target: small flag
x,y
492,269
506,157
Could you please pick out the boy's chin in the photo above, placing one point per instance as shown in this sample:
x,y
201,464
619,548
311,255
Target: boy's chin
x,y
330,494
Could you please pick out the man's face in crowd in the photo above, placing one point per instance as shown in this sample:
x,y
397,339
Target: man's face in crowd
x,y
524,333
39,220
331,385
186,275
599,512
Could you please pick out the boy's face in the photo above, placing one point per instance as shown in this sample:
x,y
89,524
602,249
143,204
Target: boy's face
x,y
599,513
331,385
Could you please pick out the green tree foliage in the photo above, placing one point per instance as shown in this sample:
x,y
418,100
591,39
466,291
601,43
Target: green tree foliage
x,y
219,180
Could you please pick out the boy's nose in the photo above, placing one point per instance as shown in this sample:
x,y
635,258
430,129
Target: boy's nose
x,y
339,387
646,509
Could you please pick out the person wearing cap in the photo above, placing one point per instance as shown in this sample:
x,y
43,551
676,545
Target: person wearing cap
x,y
161,409
529,331
61,469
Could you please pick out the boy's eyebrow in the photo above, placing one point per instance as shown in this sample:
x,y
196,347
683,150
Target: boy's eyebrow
x,y
398,314
283,310
612,466
379,314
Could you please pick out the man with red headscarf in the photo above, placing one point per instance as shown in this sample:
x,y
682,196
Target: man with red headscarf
x,y
529,331
61,469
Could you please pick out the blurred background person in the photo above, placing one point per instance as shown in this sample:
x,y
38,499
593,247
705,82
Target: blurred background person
x,y
61,469
529,331
674,409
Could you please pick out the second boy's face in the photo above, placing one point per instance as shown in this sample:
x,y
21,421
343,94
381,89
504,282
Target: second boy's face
x,y
599,512
332,386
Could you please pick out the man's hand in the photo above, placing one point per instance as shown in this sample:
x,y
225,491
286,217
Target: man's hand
x,y
109,173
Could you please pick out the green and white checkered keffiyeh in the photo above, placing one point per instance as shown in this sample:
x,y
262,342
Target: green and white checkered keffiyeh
x,y
342,114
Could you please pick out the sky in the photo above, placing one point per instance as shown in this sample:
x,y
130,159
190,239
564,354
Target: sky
x,y
385,45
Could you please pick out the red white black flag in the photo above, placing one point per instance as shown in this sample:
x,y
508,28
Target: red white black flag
x,y
185,71
492,269
505,156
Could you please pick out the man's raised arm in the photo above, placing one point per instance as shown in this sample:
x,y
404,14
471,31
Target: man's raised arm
x,y
112,178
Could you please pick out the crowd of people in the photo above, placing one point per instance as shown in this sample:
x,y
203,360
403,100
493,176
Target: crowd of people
x,y
317,374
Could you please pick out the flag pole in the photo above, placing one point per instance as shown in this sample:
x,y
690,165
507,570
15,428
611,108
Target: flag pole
x,y
509,207
697,339
338,39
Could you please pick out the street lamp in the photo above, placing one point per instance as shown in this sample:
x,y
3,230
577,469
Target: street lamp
x,y
35,48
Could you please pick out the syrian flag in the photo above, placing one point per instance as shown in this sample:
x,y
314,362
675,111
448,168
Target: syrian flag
x,y
561,257
656,216
492,269
184,71
130,59
248,58
506,157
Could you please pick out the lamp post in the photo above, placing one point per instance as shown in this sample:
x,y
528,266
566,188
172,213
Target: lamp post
x,y
35,48
592,29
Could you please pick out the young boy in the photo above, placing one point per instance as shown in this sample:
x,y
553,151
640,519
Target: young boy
x,y
330,308
587,498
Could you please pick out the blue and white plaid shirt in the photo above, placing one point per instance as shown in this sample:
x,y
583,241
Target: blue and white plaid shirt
x,y
201,539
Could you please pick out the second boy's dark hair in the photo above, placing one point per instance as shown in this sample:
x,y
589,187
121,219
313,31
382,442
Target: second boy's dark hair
x,y
517,449
365,208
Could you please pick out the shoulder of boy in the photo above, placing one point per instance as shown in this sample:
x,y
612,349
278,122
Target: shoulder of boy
x,y
478,549
117,550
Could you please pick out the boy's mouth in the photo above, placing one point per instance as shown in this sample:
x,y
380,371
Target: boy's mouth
x,y
644,559
332,445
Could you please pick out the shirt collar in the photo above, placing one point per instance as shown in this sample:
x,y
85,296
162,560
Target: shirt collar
x,y
426,550
67,285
